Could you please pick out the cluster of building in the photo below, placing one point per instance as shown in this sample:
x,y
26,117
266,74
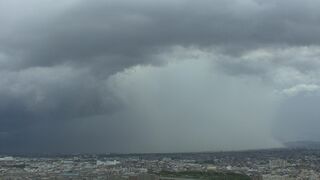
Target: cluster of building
x,y
280,164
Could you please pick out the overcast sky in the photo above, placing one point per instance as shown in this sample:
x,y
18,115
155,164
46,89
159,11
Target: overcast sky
x,y
158,76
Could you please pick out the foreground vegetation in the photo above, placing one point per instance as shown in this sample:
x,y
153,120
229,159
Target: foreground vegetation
x,y
210,175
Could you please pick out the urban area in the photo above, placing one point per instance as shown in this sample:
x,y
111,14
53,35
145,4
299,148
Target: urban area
x,y
274,164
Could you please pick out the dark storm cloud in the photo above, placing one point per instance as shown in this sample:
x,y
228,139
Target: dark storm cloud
x,y
47,92
118,34
56,57
36,103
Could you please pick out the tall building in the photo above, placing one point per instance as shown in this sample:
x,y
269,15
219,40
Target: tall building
x,y
277,163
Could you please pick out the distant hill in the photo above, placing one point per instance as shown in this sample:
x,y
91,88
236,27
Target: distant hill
x,y
303,144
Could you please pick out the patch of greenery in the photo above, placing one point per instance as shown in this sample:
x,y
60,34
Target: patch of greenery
x,y
209,175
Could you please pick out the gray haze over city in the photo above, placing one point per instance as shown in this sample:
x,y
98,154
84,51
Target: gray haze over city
x,y
158,76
